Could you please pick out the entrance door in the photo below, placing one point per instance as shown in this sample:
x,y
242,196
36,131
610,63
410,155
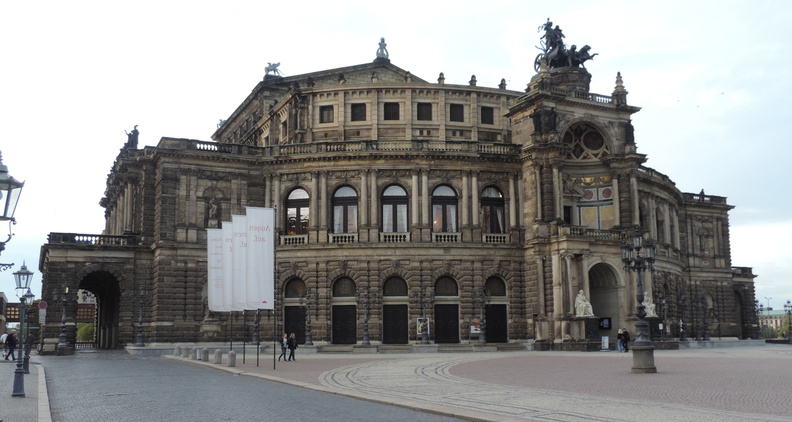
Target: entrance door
x,y
344,324
394,324
446,323
497,326
294,322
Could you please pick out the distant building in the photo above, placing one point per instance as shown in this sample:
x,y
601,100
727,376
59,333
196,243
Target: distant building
x,y
398,197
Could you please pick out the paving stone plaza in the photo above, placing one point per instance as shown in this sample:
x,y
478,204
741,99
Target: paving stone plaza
x,y
712,384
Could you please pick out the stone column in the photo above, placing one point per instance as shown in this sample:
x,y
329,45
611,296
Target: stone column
x,y
374,201
465,200
364,200
675,234
667,224
414,199
314,204
425,198
268,191
616,202
474,181
636,201
557,197
512,203
538,176
323,200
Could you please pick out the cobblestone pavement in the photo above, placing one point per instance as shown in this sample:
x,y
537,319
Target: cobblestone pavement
x,y
731,384
115,386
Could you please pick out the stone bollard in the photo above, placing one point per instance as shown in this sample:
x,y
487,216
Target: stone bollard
x,y
205,355
218,356
193,353
177,351
231,359
185,352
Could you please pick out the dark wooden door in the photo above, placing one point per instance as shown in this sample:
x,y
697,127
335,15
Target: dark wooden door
x,y
294,322
395,323
497,324
345,324
446,324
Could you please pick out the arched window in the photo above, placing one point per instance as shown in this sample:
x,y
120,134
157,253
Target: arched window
x,y
492,206
444,210
394,286
495,286
345,210
297,214
394,209
446,286
295,288
344,287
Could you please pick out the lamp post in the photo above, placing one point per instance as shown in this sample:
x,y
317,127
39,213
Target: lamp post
x,y
482,298
423,297
643,349
10,189
367,297
788,310
311,298
63,343
139,340
22,279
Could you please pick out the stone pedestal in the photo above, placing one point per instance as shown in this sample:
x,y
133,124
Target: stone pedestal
x,y
643,360
655,333
586,328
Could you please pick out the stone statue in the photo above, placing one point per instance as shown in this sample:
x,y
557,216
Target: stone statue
x,y
132,138
649,305
272,67
582,305
382,52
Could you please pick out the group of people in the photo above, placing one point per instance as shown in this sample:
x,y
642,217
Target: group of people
x,y
11,341
623,340
288,342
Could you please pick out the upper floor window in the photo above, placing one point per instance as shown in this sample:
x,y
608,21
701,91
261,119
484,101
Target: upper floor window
x,y
495,286
326,114
294,289
394,286
491,211
391,111
358,112
344,287
444,210
297,212
457,112
424,111
487,116
446,286
345,211
394,209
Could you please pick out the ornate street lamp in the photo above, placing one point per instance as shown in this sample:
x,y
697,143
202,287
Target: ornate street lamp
x,y
788,310
22,279
482,298
308,300
10,189
643,349
367,297
139,341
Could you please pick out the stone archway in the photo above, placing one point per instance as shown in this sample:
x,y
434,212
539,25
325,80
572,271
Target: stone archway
x,y
604,291
105,287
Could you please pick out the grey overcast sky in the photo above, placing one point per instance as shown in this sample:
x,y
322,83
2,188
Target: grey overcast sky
x,y
713,79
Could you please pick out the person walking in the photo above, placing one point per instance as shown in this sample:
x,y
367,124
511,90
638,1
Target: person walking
x,y
625,340
619,337
284,343
292,344
11,341
3,339
29,341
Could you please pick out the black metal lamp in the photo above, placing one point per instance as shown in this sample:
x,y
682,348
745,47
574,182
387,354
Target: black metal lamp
x,y
643,349
788,310
10,189
22,278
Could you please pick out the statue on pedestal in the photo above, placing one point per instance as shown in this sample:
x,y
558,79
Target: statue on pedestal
x,y
582,306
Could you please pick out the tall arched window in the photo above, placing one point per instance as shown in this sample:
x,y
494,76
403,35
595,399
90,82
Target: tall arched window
x,y
492,211
345,210
444,210
394,210
297,214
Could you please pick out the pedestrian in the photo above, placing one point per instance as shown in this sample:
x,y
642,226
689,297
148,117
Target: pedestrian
x,y
284,344
11,341
619,338
625,340
292,344
29,341
3,340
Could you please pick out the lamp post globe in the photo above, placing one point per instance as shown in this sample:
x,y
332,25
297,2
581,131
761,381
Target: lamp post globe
x,y
10,189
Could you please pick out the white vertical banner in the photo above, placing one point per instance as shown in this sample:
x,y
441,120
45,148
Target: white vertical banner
x,y
239,259
228,266
260,258
214,269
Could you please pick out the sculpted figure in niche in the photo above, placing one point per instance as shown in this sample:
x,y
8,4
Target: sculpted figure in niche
x,y
582,305
650,306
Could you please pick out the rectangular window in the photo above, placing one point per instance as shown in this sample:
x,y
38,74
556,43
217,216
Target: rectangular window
x,y
457,112
326,114
358,112
424,111
487,116
391,111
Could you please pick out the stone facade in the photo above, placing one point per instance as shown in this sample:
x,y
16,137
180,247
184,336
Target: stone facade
x,y
398,198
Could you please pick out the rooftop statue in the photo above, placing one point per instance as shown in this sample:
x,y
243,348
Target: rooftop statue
x,y
382,51
272,67
554,50
132,138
